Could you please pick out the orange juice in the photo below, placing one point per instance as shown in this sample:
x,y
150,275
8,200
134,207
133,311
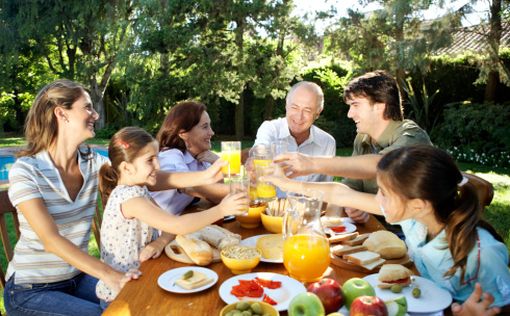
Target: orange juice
x,y
264,190
234,161
306,257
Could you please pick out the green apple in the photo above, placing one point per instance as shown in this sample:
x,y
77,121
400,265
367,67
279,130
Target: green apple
x,y
306,304
355,287
397,306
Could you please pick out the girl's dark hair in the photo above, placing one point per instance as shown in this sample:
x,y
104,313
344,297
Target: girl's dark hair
x,y
380,87
125,145
181,118
428,173
41,127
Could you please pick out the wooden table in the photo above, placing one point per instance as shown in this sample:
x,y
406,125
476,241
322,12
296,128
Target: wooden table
x,y
145,297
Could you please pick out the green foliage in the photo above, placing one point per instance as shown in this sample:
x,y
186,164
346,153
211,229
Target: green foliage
x,y
476,133
394,38
422,106
333,119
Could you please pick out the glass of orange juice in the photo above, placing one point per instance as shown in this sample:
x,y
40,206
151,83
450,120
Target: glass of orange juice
x,y
265,190
231,152
306,247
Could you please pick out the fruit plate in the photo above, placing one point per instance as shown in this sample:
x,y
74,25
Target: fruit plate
x,y
166,280
433,298
283,295
341,262
252,242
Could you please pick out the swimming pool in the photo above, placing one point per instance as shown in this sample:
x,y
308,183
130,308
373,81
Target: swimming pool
x,y
7,161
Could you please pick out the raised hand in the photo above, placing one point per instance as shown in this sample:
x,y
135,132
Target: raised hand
x,y
235,204
213,174
295,164
478,303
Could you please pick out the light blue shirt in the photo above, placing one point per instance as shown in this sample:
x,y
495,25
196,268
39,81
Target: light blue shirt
x,y
174,160
319,143
433,259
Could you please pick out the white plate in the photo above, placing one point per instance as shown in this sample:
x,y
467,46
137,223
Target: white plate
x,y
290,288
349,228
252,242
432,299
166,280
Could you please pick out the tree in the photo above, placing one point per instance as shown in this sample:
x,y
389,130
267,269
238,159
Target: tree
x,y
79,40
395,37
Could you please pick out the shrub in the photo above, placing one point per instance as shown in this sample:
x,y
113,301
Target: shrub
x,y
476,133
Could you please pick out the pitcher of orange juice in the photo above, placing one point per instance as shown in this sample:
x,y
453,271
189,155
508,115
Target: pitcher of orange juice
x,y
305,247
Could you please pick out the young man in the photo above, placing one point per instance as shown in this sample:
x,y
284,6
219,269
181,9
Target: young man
x,y
304,103
376,109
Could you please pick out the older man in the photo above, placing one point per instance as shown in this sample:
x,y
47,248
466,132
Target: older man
x,y
304,103
376,109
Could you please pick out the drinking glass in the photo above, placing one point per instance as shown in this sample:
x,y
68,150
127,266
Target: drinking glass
x,y
240,183
231,152
279,147
265,190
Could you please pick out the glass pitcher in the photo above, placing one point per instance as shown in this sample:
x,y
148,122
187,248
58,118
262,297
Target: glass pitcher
x,y
306,247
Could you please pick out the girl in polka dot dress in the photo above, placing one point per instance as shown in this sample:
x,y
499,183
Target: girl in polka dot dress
x,y
131,217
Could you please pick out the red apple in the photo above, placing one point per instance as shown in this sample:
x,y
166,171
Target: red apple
x,y
368,306
330,293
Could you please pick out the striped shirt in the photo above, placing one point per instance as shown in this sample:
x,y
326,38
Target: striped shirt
x,y
36,177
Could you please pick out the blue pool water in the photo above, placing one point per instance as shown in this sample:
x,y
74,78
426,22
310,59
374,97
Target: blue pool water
x,y
7,161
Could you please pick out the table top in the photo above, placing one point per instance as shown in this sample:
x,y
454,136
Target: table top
x,y
145,297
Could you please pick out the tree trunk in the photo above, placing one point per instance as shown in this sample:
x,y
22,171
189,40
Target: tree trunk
x,y
239,118
98,100
494,41
491,87
269,108
239,111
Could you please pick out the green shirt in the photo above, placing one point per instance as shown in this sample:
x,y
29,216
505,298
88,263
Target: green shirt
x,y
397,134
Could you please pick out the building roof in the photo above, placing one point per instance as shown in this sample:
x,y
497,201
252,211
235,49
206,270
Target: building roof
x,y
474,39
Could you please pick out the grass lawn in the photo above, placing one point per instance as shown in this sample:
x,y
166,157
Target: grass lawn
x,y
498,213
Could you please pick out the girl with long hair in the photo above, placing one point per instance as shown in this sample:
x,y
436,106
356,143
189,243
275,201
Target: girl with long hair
x,y
421,189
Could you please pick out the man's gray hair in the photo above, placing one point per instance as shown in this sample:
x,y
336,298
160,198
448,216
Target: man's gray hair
x,y
311,86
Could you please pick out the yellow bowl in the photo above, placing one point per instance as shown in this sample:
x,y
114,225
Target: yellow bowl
x,y
240,266
252,220
266,308
273,224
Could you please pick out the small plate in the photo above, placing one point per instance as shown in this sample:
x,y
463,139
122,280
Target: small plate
x,y
349,228
433,298
252,242
290,288
166,280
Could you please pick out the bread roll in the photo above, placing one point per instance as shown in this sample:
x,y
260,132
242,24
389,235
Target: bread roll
x,y
218,237
197,250
175,252
387,244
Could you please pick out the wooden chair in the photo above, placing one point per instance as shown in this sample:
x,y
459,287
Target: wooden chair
x,y
96,223
484,188
5,208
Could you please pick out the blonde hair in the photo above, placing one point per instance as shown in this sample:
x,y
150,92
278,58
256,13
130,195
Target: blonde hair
x,y
41,126
125,145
